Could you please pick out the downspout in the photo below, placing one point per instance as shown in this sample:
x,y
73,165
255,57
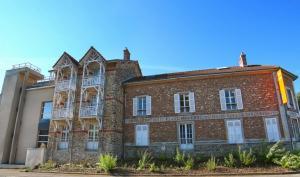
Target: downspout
x,y
123,121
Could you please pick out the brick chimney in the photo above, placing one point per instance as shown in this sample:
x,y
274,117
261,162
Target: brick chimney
x,y
126,54
243,60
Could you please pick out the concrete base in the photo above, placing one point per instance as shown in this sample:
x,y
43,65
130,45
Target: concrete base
x,y
11,166
35,156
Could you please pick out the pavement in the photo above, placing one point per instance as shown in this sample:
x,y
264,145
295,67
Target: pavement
x,y
20,173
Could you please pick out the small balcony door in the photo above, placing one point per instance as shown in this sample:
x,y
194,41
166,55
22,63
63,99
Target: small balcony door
x,y
186,136
272,129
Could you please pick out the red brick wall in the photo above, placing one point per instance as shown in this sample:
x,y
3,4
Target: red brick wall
x,y
258,94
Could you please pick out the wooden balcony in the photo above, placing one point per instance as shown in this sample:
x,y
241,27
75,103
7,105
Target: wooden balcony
x,y
90,111
63,113
93,81
65,85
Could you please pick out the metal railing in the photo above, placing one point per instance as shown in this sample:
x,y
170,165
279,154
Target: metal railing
x,y
89,111
65,85
26,65
92,81
62,113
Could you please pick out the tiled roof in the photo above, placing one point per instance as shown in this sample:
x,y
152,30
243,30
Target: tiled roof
x,y
222,70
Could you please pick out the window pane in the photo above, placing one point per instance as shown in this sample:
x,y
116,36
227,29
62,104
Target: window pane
x,y
47,110
226,93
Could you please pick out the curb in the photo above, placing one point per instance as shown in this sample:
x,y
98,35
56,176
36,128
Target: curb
x,y
169,174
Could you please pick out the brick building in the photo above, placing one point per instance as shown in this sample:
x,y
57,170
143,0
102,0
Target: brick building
x,y
95,106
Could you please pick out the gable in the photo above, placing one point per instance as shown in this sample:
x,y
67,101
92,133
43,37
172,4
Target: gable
x,y
65,60
91,55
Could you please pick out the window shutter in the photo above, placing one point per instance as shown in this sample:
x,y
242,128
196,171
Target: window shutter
x,y
134,106
138,130
148,105
239,99
176,103
222,100
192,102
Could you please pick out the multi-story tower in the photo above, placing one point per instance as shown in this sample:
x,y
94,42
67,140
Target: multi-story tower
x,y
65,69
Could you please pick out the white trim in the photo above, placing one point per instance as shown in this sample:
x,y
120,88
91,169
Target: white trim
x,y
242,131
266,128
148,134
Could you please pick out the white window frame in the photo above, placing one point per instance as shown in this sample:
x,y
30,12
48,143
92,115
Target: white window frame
x,y
242,132
136,135
146,105
93,137
266,129
290,100
143,110
188,100
186,145
63,143
230,104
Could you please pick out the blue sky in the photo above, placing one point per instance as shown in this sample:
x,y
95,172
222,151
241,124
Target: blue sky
x,y
164,35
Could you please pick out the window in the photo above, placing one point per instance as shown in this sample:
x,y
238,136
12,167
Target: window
x,y
142,135
64,139
234,131
272,129
291,103
93,136
142,105
184,102
46,110
141,111
42,138
186,136
231,99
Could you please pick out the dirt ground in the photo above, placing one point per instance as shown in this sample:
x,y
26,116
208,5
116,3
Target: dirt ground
x,y
19,173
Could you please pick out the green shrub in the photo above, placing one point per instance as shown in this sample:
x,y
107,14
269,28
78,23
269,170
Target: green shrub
x,y
153,168
276,152
246,158
145,160
48,165
107,162
179,157
291,161
211,164
261,152
189,163
230,161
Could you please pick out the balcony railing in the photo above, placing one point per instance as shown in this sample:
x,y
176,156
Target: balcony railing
x,y
92,81
65,85
62,113
89,111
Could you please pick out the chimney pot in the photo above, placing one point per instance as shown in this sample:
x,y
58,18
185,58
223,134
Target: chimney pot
x,y
243,60
126,54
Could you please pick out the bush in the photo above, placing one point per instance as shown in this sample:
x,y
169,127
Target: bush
x,y
246,158
276,152
145,160
261,152
179,158
211,164
291,161
107,162
153,168
229,161
189,163
49,165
